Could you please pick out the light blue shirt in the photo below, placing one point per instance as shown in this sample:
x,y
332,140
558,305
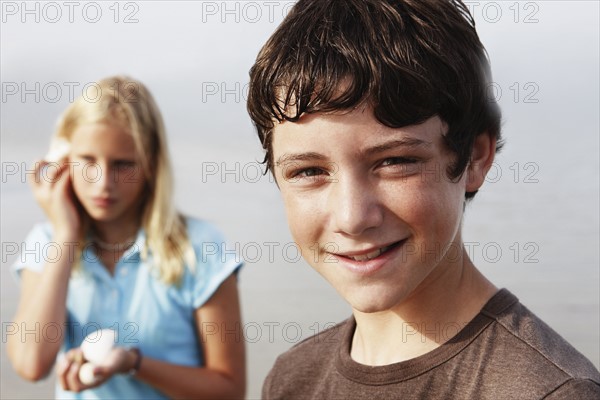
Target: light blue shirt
x,y
148,314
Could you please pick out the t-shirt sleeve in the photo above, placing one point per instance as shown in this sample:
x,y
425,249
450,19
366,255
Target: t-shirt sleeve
x,y
576,389
35,251
267,388
281,382
216,260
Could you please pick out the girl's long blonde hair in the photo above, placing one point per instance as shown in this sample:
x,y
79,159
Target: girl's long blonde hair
x,y
127,103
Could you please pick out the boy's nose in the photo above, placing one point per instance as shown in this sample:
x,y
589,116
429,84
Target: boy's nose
x,y
354,206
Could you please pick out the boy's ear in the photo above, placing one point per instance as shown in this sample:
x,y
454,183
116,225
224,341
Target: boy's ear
x,y
482,157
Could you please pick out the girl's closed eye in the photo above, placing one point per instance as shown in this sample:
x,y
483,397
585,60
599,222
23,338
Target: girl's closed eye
x,y
124,164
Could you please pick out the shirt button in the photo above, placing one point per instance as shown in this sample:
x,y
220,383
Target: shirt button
x,y
124,271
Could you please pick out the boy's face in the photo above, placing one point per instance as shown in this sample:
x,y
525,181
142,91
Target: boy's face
x,y
370,206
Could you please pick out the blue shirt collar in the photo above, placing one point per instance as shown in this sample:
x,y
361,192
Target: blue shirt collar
x,y
90,262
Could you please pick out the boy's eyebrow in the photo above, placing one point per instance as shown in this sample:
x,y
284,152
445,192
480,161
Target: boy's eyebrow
x,y
380,148
310,156
405,142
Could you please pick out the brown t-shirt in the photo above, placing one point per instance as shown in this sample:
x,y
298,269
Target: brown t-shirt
x,y
505,352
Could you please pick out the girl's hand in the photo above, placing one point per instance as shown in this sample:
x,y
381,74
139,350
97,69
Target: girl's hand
x,y
53,191
119,360
67,371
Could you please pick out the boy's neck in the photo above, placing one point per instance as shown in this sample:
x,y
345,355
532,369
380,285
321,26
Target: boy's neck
x,y
431,316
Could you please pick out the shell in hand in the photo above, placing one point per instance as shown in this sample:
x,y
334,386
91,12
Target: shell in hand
x,y
86,374
98,344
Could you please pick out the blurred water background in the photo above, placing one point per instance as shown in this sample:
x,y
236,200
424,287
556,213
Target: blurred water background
x,y
534,228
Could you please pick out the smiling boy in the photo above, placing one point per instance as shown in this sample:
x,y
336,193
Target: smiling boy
x,y
378,129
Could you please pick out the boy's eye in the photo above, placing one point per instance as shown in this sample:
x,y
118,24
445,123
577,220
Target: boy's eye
x,y
400,166
305,175
309,172
398,161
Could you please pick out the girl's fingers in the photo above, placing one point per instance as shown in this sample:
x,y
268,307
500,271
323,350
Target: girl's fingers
x,y
38,173
61,369
55,170
72,377
101,374
49,176
47,172
63,179
68,372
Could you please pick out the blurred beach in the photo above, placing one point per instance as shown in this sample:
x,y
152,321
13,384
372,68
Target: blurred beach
x,y
533,228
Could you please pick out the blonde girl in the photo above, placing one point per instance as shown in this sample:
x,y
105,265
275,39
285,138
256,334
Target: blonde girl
x,y
122,258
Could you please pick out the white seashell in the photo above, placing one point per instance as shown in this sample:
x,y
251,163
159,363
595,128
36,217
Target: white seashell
x,y
59,149
86,374
98,344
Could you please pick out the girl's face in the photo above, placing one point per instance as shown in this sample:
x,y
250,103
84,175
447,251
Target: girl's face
x,y
106,173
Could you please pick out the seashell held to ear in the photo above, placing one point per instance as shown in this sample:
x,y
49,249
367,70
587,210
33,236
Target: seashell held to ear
x,y
98,344
59,149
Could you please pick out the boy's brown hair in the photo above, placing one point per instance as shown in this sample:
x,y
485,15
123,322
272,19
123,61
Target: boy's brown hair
x,y
408,59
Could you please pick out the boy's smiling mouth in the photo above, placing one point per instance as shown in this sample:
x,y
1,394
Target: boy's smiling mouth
x,y
369,254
